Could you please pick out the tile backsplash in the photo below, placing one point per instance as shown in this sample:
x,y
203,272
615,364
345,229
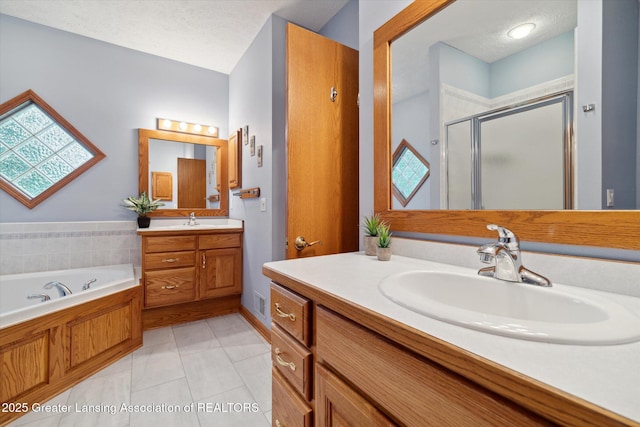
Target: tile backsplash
x,y
45,246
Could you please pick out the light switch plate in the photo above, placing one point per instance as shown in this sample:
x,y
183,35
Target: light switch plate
x,y
263,204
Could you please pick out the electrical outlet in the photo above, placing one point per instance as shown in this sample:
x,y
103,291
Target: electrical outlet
x,y
263,204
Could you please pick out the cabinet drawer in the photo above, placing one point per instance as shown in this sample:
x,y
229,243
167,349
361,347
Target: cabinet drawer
x,y
288,408
216,241
291,312
170,260
292,360
169,243
166,287
408,386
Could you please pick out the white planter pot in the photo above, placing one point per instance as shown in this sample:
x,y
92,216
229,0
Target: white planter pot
x,y
384,254
370,245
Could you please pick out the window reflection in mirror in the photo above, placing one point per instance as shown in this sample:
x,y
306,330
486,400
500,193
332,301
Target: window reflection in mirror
x,y
461,63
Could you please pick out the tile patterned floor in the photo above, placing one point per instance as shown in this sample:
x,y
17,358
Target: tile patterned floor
x,y
214,372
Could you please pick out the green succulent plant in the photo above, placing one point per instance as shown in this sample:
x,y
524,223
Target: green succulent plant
x,y
141,205
372,224
384,236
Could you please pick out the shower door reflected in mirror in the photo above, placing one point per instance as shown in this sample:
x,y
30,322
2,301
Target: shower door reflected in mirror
x,y
516,158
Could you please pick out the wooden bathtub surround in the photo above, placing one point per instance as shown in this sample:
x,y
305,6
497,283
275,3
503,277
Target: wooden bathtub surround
x,y
377,371
43,357
190,275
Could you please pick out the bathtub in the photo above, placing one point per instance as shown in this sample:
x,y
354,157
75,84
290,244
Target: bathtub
x,y
47,347
15,307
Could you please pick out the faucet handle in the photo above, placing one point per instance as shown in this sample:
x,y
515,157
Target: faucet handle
x,y
505,236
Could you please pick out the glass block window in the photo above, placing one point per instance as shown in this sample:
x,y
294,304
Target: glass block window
x,y
40,152
410,170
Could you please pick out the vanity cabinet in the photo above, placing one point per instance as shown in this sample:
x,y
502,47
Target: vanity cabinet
x,y
340,363
189,275
292,357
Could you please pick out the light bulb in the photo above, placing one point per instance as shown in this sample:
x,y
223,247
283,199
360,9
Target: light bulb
x,y
211,130
182,126
197,128
166,123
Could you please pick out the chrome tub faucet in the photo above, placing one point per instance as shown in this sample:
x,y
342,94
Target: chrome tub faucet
x,y
507,260
61,287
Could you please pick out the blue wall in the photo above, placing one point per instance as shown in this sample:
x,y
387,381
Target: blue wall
x,y
343,27
107,92
541,63
619,101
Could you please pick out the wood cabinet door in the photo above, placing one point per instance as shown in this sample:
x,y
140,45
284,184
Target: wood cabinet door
x,y
337,404
235,159
220,272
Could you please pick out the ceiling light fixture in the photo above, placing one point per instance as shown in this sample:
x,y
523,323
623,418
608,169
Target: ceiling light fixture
x,y
186,127
521,31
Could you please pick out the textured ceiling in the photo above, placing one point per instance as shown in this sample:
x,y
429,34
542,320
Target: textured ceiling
x,y
213,34
478,28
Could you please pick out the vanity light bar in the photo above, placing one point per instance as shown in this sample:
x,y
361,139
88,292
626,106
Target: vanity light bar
x,y
185,127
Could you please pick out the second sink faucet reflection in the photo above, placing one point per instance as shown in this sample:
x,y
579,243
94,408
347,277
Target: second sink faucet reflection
x,y
507,260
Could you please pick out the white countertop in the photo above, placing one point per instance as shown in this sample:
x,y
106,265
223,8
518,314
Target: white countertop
x,y
608,376
179,224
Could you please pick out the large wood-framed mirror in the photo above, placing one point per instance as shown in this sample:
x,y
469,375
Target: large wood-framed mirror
x,y
605,228
193,167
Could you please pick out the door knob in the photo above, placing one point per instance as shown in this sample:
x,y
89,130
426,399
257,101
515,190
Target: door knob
x,y
300,243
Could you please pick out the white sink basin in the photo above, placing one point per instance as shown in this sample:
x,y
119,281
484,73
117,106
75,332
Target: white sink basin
x,y
559,314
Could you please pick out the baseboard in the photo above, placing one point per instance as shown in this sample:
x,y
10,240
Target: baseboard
x,y
189,312
257,324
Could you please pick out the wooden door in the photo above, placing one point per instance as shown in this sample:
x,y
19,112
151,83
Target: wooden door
x,y
192,183
322,144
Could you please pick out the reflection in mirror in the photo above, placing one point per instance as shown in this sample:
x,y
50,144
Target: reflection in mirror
x,y
606,144
188,172
461,63
192,167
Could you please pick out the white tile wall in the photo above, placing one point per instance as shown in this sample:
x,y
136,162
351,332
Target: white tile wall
x,y
45,246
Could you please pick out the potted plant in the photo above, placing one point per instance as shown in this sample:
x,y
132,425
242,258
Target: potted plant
x,y
142,205
371,225
383,251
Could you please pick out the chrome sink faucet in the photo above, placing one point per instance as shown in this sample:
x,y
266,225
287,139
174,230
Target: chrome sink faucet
x,y
192,219
61,287
507,260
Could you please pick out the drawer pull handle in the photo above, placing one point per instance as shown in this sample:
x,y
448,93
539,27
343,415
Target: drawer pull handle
x,y
204,260
171,260
170,287
283,362
281,313
278,424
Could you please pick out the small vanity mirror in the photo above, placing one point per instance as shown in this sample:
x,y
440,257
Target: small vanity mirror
x,y
187,172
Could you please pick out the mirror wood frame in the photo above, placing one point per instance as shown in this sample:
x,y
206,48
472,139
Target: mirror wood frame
x,y
611,229
144,135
